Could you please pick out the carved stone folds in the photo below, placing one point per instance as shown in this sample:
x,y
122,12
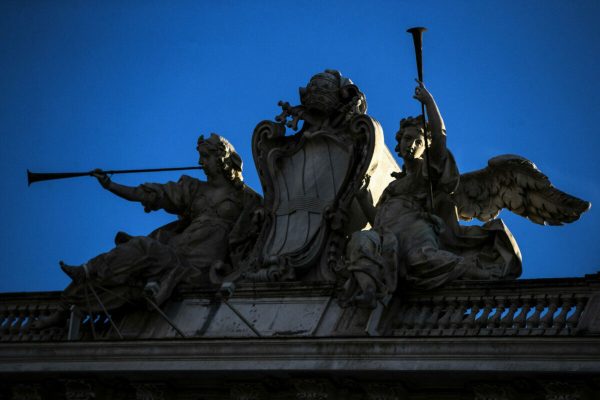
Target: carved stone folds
x,y
309,181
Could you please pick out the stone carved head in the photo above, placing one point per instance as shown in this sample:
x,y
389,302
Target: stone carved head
x,y
228,159
329,91
409,137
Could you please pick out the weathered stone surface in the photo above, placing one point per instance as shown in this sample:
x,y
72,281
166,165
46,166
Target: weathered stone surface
x,y
26,392
546,308
493,391
394,355
150,391
416,240
79,389
248,391
310,180
380,391
146,269
564,390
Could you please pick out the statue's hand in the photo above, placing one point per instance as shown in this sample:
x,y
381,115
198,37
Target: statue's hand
x,y
102,177
422,94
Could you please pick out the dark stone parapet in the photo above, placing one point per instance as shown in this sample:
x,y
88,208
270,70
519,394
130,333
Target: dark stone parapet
x,y
528,307
525,339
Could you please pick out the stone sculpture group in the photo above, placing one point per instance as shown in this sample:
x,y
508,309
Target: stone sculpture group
x,y
321,186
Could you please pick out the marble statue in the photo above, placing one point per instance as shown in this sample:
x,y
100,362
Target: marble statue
x,y
212,230
413,244
322,185
310,178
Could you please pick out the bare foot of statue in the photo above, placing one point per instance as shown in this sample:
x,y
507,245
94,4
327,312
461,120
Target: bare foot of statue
x,y
77,274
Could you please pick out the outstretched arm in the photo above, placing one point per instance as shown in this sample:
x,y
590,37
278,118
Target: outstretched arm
x,y
127,192
173,197
436,123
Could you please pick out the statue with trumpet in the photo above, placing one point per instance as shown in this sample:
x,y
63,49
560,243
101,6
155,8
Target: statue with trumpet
x,y
416,239
213,220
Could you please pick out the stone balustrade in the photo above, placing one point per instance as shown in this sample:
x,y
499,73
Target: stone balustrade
x,y
545,307
18,310
536,307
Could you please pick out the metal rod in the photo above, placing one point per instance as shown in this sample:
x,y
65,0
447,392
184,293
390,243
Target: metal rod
x,y
33,177
236,312
417,35
90,314
165,317
106,312
154,305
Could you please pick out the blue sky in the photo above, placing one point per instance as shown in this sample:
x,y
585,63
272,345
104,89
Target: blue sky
x,y
118,85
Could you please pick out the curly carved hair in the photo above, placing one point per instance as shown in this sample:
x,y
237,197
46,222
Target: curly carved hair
x,y
331,91
229,159
416,122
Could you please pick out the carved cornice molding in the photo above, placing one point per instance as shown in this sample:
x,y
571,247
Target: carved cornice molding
x,y
517,354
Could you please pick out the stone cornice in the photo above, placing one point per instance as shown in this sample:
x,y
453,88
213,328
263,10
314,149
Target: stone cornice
x,y
556,355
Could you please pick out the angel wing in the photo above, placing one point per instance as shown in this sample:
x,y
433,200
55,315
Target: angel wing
x,y
513,182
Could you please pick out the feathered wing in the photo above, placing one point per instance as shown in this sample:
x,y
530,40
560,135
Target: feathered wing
x,y
515,183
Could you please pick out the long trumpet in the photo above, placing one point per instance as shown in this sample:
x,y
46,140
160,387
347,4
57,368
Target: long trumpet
x,y
33,177
417,35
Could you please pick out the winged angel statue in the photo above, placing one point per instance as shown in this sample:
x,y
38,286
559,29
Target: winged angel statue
x,y
422,245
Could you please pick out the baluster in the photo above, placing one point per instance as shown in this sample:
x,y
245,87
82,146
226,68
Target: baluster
x,y
573,320
469,322
432,321
521,320
561,319
422,316
548,319
29,315
26,333
482,320
401,322
445,320
15,326
9,320
507,321
494,322
457,318
3,319
25,319
534,321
